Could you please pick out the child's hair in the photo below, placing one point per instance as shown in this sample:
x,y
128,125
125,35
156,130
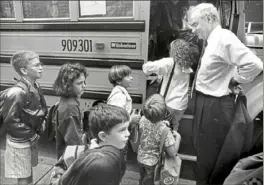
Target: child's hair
x,y
97,102
63,85
154,108
104,117
86,128
183,53
21,59
95,167
118,72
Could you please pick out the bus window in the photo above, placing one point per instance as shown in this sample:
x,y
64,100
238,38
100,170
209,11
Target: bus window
x,y
225,13
7,9
106,8
45,9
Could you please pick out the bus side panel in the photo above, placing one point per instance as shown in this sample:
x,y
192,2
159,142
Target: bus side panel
x,y
122,45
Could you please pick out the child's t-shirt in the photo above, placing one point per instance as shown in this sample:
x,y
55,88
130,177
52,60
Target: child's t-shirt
x,y
149,147
120,97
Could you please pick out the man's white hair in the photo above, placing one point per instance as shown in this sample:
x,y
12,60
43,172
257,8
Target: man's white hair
x,y
205,10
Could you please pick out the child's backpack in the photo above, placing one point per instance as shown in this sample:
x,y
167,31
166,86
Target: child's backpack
x,y
52,121
2,101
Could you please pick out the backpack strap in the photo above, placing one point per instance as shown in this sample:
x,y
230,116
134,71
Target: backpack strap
x,y
23,86
164,133
169,81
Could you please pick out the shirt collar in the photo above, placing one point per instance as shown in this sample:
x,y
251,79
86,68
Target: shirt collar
x,y
124,91
213,33
29,85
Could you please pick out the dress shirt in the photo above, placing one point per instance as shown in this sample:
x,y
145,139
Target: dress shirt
x,y
225,57
177,96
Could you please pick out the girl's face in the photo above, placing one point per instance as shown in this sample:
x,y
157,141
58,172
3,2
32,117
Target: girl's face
x,y
78,85
126,81
118,135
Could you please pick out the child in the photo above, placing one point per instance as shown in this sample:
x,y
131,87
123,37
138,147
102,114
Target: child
x,y
183,55
151,126
104,164
120,77
70,85
24,111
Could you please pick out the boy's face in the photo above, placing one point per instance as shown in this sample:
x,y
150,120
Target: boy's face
x,y
79,85
34,69
117,136
126,81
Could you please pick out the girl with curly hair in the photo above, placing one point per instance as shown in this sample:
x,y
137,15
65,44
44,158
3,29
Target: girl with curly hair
x,y
183,56
70,85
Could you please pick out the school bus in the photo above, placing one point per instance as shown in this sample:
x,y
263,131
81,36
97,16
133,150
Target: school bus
x,y
100,34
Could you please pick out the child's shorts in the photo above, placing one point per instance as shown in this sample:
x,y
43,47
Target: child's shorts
x,y
20,158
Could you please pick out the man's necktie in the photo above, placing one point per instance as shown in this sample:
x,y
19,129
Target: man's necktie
x,y
198,67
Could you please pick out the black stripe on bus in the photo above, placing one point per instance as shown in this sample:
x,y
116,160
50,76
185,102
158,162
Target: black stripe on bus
x,y
133,26
95,95
254,47
88,62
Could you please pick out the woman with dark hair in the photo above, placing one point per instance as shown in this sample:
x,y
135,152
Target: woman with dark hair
x,y
70,85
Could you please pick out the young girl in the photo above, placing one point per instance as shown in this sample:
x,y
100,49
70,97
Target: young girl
x,y
183,55
151,126
70,85
120,77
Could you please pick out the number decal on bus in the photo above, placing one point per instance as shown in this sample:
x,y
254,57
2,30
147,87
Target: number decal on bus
x,y
77,45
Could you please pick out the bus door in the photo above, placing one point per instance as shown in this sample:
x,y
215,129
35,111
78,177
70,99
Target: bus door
x,y
163,17
97,34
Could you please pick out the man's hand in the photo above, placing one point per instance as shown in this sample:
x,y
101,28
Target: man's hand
x,y
235,87
135,117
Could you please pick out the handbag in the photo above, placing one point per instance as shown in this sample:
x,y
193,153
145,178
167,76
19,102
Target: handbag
x,y
167,170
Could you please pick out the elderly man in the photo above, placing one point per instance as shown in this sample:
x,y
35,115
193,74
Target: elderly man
x,y
225,63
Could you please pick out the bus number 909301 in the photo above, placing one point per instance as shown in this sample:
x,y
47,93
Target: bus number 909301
x,y
77,45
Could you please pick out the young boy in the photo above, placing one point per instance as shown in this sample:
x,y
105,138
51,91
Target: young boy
x,y
104,164
152,126
23,111
120,77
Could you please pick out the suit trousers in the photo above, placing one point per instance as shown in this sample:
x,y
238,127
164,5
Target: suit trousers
x,y
212,120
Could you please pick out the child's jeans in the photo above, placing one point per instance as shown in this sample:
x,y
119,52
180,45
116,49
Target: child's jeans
x,y
146,174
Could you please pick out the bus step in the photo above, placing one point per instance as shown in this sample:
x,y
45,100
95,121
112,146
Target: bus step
x,y
187,116
188,167
188,157
186,182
